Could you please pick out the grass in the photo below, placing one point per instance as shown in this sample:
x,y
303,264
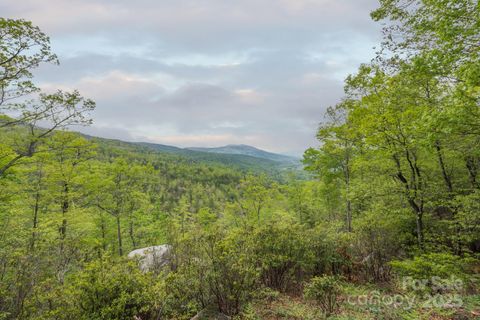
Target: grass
x,y
283,307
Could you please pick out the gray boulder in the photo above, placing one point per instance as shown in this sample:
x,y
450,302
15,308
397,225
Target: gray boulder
x,y
152,258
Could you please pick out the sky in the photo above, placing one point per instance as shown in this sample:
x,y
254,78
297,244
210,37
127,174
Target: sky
x,y
204,73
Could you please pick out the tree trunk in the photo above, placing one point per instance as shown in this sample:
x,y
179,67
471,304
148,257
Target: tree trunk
x,y
36,208
349,216
420,236
417,209
441,162
10,164
63,227
472,171
349,202
103,230
448,183
131,233
119,235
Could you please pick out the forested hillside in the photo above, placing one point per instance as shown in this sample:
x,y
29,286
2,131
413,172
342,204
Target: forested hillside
x,y
249,151
386,227
278,166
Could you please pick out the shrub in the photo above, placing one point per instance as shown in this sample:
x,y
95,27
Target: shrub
x,y
112,289
325,291
266,294
433,272
233,276
214,269
185,292
283,254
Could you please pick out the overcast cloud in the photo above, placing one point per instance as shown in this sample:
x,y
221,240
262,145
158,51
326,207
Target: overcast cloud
x,y
205,72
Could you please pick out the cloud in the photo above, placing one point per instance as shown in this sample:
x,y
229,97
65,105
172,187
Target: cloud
x,y
205,72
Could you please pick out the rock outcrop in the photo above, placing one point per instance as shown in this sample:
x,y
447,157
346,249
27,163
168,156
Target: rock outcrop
x,y
152,258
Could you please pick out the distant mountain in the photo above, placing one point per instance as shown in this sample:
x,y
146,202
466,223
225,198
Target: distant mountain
x,y
242,149
239,156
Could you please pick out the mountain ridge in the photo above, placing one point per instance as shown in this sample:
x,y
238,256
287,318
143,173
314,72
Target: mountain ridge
x,y
243,149
259,161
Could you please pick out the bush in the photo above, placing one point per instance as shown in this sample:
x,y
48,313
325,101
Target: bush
x,y
214,269
433,272
283,254
266,294
233,276
186,294
325,291
112,289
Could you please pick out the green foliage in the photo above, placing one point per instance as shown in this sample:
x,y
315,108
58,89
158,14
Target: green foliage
x,y
283,253
404,139
219,268
107,289
325,291
437,269
23,47
396,186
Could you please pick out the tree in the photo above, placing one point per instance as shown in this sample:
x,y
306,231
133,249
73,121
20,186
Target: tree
x,y
117,195
333,162
39,120
254,195
23,47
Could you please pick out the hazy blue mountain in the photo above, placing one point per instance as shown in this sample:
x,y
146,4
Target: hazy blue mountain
x,y
241,149
238,156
